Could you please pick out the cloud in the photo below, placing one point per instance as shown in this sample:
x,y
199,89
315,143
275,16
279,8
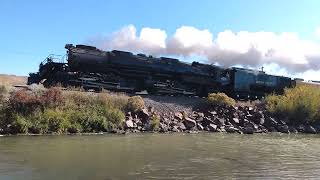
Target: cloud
x,y
286,51
317,32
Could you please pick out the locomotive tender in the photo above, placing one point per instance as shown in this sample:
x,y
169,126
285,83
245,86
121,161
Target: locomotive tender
x,y
91,68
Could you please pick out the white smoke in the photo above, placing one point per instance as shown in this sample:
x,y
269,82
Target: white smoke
x,y
283,54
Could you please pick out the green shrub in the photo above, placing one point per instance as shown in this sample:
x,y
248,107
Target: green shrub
x,y
135,103
154,122
300,104
115,116
57,121
220,99
20,125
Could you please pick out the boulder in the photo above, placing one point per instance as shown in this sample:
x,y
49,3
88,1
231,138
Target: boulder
x,y
178,116
231,129
200,114
129,124
206,121
221,121
200,127
248,130
189,123
181,127
175,129
212,113
212,127
293,130
283,128
270,122
235,120
144,115
301,128
310,129
163,128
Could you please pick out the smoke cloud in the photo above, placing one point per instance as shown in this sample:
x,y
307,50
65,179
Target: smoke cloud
x,y
283,54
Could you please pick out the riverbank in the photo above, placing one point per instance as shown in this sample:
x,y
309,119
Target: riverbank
x,y
53,111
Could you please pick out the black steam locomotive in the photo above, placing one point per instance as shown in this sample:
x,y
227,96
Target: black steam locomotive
x,y
91,68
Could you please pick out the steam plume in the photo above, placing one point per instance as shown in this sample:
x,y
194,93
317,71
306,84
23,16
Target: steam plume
x,y
285,53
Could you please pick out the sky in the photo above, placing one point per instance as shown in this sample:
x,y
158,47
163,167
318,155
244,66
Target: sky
x,y
283,36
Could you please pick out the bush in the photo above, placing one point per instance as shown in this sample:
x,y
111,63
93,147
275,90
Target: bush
x,y
154,122
300,104
24,102
220,99
3,92
135,103
52,97
20,125
57,121
115,116
116,101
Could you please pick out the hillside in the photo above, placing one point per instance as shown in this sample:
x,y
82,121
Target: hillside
x,y
13,79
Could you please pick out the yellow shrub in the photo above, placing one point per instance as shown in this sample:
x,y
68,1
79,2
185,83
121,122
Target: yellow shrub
x,y
135,103
220,99
299,104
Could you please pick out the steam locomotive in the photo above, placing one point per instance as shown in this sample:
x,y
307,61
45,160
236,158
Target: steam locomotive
x,y
91,68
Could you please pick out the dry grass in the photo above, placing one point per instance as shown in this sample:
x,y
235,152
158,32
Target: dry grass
x,y
12,80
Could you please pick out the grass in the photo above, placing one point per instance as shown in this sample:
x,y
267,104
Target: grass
x,y
297,105
51,110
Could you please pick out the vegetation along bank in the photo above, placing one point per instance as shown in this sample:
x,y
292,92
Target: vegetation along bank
x,y
53,111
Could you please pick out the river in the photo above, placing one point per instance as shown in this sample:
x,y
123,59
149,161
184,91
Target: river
x,y
160,156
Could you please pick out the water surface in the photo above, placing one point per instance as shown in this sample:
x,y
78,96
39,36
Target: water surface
x,y
160,156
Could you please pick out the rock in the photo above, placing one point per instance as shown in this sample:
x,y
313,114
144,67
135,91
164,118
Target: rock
x,y
175,129
283,129
163,128
128,113
231,129
200,127
189,123
129,124
151,109
212,127
270,122
310,129
235,120
301,128
212,113
293,130
248,130
182,127
221,121
272,129
199,119
261,121
178,116
200,114
144,115
206,121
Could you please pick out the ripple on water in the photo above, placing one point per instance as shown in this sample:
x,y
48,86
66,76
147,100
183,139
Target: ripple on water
x,y
161,156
